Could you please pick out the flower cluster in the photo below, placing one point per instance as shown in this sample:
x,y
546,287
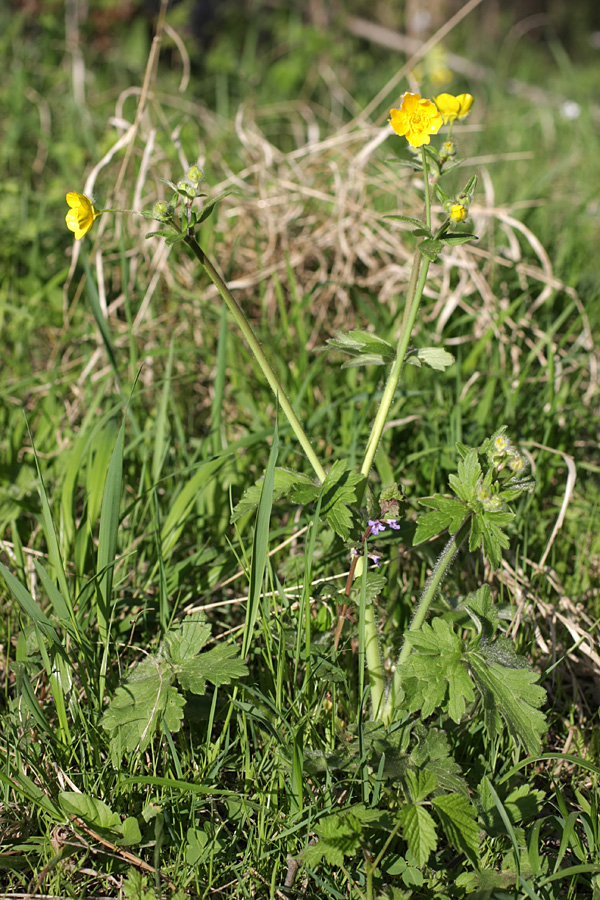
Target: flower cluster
x,y
378,525
417,119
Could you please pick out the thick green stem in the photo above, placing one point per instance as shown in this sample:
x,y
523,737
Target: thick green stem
x,y
374,661
429,592
238,314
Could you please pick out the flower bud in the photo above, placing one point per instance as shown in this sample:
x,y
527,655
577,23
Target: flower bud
x,y
160,210
195,175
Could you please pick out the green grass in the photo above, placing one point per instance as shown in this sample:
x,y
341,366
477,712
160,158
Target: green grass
x,y
133,419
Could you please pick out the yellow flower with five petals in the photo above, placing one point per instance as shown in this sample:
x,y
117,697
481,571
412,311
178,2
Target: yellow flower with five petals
x,y
452,107
82,214
416,119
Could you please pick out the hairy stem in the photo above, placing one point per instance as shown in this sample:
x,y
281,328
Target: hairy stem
x,y
429,592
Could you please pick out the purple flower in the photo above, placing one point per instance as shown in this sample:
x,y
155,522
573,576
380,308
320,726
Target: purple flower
x,y
393,524
376,526
376,557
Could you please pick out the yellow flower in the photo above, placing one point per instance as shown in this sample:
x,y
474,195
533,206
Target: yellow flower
x,y
416,119
82,214
458,212
453,107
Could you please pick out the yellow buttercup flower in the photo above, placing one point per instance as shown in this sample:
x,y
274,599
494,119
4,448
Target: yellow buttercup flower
x,y
82,214
453,107
416,119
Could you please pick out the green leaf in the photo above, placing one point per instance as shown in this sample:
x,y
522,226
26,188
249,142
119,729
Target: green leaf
x,y
459,821
94,812
339,836
441,194
449,513
284,483
138,708
454,239
510,695
209,208
217,666
431,249
435,674
188,638
148,699
375,584
523,803
411,221
435,357
486,530
131,833
366,348
419,832
465,484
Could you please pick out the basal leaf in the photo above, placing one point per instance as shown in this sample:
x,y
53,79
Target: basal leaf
x,y
93,811
138,707
436,674
188,638
217,666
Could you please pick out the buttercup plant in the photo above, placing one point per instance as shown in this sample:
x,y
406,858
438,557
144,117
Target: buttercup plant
x,y
488,480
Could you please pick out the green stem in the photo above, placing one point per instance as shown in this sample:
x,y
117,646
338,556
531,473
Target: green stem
x,y
429,592
418,277
426,188
416,284
374,661
238,314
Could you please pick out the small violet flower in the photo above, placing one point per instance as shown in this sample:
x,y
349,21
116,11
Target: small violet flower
x,y
393,524
376,557
376,526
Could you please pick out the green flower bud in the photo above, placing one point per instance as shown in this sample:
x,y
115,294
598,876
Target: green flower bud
x,y
195,175
160,210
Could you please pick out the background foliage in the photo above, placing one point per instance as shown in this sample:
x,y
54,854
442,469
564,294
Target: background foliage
x,y
132,422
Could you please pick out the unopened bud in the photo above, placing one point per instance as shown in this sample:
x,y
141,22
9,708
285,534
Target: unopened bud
x,y
195,175
160,210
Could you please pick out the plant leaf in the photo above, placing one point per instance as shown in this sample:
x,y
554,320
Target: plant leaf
x,y
435,357
138,708
510,695
419,831
217,666
459,821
